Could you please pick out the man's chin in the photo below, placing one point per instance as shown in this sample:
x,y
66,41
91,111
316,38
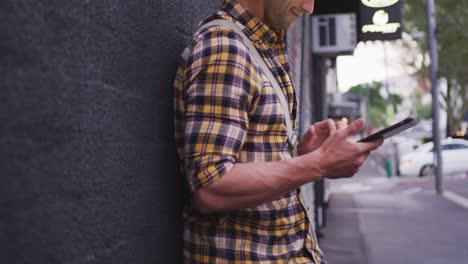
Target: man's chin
x,y
284,26
289,26
292,23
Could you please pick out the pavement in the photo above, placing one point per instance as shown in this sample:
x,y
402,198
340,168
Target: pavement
x,y
373,219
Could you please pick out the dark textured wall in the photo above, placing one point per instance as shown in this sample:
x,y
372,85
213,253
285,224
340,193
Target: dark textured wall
x,y
87,162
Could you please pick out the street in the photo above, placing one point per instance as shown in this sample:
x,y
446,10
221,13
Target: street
x,y
378,220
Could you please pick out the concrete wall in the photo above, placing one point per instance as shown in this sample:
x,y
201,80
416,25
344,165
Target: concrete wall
x,y
87,162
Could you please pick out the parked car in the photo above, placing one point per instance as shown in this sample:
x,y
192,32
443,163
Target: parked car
x,y
403,145
421,161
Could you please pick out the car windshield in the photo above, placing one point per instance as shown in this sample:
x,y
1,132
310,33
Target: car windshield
x,y
425,147
448,144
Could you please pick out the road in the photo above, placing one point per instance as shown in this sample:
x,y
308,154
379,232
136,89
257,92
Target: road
x,y
376,220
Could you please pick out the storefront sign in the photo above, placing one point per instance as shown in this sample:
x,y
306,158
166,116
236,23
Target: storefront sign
x,y
380,20
378,3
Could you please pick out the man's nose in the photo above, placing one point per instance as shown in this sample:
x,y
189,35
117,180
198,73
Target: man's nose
x,y
308,6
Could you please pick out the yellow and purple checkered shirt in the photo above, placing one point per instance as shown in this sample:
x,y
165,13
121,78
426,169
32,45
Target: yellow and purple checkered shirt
x,y
227,112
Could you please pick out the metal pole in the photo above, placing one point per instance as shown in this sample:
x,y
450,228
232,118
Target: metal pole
x,y
391,159
304,115
431,28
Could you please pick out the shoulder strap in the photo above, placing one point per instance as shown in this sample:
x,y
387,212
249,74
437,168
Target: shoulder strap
x,y
292,137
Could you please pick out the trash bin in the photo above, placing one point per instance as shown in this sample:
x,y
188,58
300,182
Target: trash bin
x,y
388,167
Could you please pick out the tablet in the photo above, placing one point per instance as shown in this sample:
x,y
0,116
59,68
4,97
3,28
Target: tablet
x,y
392,130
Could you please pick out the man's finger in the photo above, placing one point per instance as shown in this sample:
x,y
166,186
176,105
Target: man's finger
x,y
311,131
331,126
340,125
308,134
372,145
354,127
377,143
327,125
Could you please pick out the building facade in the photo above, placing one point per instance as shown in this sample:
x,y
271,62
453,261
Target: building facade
x,y
87,155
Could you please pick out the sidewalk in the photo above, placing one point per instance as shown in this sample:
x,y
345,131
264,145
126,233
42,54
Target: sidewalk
x,y
400,220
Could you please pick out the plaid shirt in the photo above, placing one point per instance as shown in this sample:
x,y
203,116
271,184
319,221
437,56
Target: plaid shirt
x,y
227,112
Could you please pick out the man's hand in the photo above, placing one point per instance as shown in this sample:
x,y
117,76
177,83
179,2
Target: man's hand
x,y
340,158
314,137
247,185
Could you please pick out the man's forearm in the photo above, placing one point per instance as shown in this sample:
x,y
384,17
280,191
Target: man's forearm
x,y
251,184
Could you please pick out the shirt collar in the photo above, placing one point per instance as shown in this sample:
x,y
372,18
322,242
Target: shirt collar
x,y
257,30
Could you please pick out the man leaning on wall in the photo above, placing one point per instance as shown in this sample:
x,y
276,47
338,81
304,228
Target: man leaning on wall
x,y
235,107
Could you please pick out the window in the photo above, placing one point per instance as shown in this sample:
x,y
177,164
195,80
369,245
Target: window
x,y
446,147
458,146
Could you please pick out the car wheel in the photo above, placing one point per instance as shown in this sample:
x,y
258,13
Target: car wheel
x,y
427,170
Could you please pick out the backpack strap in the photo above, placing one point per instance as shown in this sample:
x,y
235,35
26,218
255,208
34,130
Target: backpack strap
x,y
292,137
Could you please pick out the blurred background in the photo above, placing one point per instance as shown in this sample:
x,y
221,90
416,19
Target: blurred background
x,y
396,209
87,158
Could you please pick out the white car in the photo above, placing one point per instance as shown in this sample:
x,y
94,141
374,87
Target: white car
x,y
421,162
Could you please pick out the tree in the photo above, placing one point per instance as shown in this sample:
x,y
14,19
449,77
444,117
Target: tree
x,y
424,111
452,19
377,104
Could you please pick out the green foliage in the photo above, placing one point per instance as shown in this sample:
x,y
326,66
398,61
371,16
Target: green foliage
x,y
396,100
377,104
424,111
372,92
452,37
376,118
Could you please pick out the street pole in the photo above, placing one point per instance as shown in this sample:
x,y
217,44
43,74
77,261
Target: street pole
x,y
431,28
390,117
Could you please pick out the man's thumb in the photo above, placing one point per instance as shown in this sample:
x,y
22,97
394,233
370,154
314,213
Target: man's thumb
x,y
354,127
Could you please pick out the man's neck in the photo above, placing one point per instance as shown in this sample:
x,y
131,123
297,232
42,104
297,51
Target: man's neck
x,y
255,7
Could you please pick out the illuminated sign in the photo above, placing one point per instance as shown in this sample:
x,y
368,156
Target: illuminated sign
x,y
380,20
378,3
381,24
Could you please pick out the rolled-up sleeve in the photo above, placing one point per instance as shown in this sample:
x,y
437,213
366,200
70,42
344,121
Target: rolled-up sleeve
x,y
216,101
